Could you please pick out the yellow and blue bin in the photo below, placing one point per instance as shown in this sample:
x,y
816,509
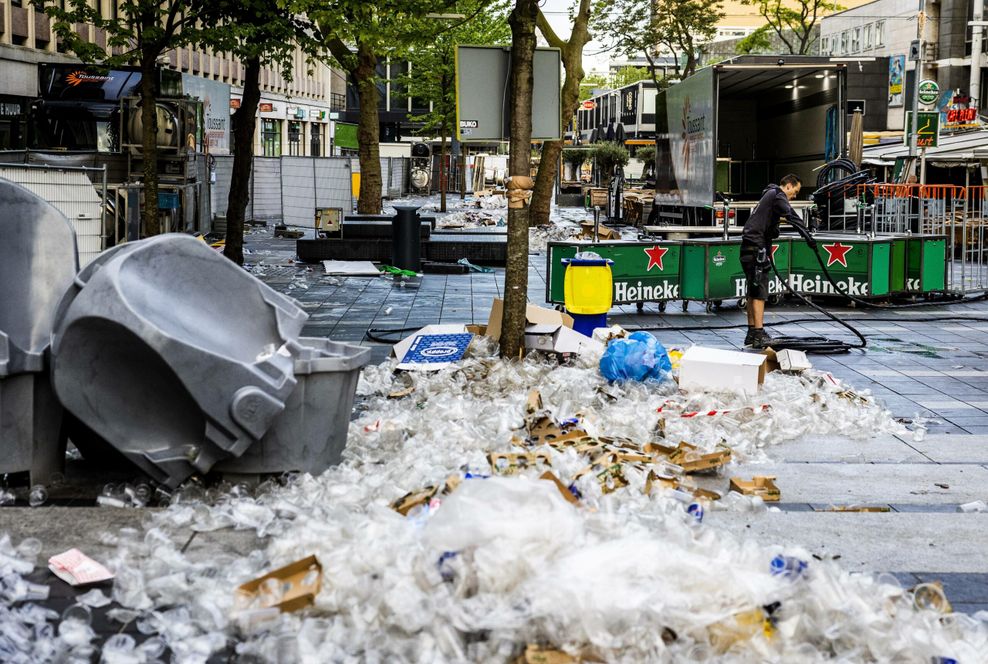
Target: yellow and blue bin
x,y
588,292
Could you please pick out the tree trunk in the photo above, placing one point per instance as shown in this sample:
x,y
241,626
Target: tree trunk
x,y
149,140
243,161
519,164
368,132
569,102
442,173
538,211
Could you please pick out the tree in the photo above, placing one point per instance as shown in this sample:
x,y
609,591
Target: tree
x,y
628,75
569,102
606,157
360,35
523,19
794,27
433,72
651,27
138,34
591,82
757,42
261,34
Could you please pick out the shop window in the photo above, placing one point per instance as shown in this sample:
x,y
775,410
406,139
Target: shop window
x,y
294,138
271,137
315,142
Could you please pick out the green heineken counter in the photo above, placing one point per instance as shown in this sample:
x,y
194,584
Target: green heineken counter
x,y
709,270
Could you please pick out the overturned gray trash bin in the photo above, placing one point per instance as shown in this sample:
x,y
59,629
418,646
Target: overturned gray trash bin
x,y
311,433
174,355
38,261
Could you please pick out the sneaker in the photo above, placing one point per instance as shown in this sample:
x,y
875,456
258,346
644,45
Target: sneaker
x,y
750,337
761,339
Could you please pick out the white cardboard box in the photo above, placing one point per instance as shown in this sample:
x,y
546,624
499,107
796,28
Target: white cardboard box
x,y
555,338
793,360
714,369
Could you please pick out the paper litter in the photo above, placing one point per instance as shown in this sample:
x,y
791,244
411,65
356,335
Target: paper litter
x,y
500,566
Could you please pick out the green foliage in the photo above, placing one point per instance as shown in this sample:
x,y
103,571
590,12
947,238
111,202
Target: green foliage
x,y
591,82
757,42
645,154
628,75
609,155
650,28
793,20
433,76
142,29
576,157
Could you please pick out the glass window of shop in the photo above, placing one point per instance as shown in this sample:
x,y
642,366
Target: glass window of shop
x,y
13,123
271,137
294,138
315,141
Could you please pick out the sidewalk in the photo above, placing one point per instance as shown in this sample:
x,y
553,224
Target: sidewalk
x,y
917,364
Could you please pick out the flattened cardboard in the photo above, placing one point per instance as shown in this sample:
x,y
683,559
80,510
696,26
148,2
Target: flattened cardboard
x,y
400,348
563,489
538,655
299,584
534,315
508,463
759,485
715,369
413,499
688,458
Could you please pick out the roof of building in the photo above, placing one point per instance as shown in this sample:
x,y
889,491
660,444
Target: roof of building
x,y
957,148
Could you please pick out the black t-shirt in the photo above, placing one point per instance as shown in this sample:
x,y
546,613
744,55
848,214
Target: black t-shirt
x,y
763,225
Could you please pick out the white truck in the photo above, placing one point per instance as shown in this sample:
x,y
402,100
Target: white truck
x,y
732,128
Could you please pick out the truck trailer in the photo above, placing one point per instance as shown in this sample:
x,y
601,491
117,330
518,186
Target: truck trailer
x,y
730,129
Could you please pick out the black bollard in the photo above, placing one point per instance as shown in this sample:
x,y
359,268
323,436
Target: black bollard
x,y
406,238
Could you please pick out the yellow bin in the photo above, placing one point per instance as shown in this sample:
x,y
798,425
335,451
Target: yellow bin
x,y
588,285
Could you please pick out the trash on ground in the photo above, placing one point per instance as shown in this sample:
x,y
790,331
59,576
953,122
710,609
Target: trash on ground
x,y
77,569
762,486
351,268
557,338
287,588
639,357
714,369
475,268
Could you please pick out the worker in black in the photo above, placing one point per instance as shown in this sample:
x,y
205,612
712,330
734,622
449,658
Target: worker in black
x,y
756,242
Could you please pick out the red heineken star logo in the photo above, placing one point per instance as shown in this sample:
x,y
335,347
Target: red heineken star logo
x,y
775,248
838,253
655,255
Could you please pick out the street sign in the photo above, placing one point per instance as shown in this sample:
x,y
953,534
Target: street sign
x,y
929,91
588,105
928,134
914,55
483,76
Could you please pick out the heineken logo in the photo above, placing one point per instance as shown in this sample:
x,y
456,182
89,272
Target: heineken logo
x,y
637,292
816,284
719,258
655,255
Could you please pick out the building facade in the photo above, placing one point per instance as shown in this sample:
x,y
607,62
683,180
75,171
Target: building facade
x,y
295,116
886,28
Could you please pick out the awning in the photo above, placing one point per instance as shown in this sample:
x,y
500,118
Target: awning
x,y
954,149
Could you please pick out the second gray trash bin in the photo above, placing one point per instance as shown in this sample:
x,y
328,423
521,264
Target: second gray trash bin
x,y
310,434
174,355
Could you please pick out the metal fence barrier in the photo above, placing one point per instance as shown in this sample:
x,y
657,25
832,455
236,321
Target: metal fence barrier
x,y
958,213
78,192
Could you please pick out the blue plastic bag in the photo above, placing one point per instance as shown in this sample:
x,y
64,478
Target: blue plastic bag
x,y
640,357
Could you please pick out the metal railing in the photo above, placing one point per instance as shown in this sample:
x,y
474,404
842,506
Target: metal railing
x,y
958,213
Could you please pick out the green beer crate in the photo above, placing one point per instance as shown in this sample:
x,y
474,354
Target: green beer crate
x,y
712,269
861,266
926,263
642,271
897,265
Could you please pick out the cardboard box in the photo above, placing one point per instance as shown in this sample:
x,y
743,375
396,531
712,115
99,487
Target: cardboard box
x,y
401,349
297,587
563,489
413,499
793,360
714,369
533,314
538,655
556,338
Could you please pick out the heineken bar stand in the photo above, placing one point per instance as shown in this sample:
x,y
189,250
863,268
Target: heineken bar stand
x,y
709,270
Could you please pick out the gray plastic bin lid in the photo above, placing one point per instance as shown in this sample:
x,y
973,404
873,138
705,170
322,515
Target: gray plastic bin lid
x,y
174,355
37,263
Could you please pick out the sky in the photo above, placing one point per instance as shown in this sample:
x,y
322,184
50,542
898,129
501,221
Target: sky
x,y
595,57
